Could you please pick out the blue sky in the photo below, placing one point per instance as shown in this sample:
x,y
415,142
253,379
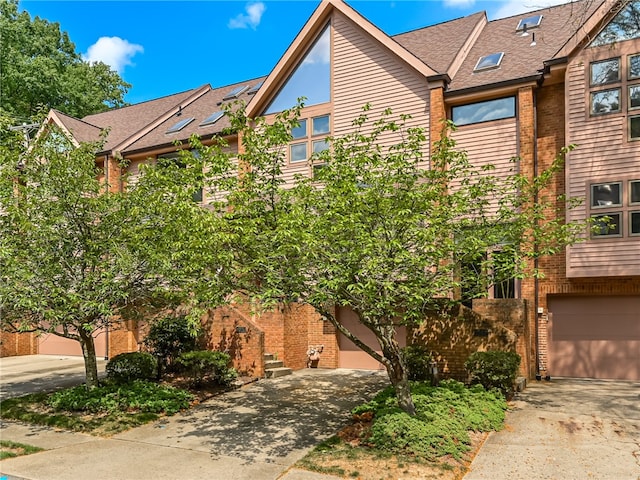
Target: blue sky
x,y
165,47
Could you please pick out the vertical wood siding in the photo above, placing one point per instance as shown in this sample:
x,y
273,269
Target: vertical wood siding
x,y
603,153
366,72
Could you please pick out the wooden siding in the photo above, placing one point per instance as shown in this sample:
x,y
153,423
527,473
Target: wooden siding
x,y
490,143
364,71
603,154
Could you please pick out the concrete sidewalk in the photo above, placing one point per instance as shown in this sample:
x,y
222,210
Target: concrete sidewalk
x,y
254,433
566,429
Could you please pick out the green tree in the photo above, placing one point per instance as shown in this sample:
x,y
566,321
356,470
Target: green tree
x,y
375,232
41,70
75,259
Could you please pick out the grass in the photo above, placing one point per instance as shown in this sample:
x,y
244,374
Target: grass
x,y
105,410
9,449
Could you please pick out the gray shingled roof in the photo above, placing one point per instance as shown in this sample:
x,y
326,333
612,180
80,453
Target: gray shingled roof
x,y
81,130
521,60
199,110
124,122
438,45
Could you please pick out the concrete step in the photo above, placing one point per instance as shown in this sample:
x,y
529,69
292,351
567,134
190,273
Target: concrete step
x,y
270,364
269,356
278,372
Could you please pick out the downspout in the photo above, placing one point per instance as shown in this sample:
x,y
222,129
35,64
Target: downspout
x,y
106,330
536,280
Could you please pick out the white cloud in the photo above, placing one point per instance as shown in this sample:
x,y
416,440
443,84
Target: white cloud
x,y
516,7
249,20
321,51
458,3
114,51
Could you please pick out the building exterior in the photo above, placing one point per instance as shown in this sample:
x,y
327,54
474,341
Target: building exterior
x,y
520,87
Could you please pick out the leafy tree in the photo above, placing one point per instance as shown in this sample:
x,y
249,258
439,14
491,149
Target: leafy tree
x,y
41,70
375,232
75,259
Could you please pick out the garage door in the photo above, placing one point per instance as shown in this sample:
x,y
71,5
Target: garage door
x,y
352,356
51,344
595,337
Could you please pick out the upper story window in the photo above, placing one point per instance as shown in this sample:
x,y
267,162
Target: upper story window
x,y
173,158
624,26
605,71
309,138
310,79
614,208
489,61
484,111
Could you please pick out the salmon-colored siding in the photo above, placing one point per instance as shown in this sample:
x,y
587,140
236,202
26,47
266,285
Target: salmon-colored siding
x,y
364,72
603,154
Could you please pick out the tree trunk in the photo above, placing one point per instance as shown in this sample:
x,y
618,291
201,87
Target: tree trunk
x,y
396,369
90,362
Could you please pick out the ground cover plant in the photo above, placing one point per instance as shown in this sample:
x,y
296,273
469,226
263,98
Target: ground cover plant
x,y
384,441
104,410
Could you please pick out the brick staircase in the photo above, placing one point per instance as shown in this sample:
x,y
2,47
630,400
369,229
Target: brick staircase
x,y
274,368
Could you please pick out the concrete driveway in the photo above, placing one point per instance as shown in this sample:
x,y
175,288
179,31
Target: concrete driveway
x,y
40,373
566,429
256,432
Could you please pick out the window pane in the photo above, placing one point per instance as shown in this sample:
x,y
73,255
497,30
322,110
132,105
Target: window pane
x,y
634,96
605,101
634,66
320,146
320,125
634,127
606,71
299,152
310,79
606,225
634,191
624,26
605,194
634,222
300,131
484,111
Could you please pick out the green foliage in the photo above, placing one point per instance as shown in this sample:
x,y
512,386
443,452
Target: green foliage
x,y
16,449
139,396
131,366
207,364
169,337
444,416
418,360
41,68
494,369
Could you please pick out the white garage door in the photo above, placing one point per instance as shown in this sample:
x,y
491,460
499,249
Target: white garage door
x,y
595,337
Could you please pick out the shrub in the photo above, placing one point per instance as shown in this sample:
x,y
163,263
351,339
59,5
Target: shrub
x,y
418,359
494,369
207,364
444,417
138,395
168,338
128,367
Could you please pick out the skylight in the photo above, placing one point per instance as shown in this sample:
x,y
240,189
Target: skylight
x,y
235,93
529,22
180,125
489,61
255,88
213,118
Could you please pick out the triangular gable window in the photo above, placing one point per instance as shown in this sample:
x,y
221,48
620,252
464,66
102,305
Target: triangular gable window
x,y
624,26
310,79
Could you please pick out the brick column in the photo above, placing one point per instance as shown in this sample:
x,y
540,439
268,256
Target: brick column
x,y
437,115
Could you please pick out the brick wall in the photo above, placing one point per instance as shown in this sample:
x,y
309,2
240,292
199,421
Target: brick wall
x,y
322,332
458,332
124,337
437,113
14,344
227,329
